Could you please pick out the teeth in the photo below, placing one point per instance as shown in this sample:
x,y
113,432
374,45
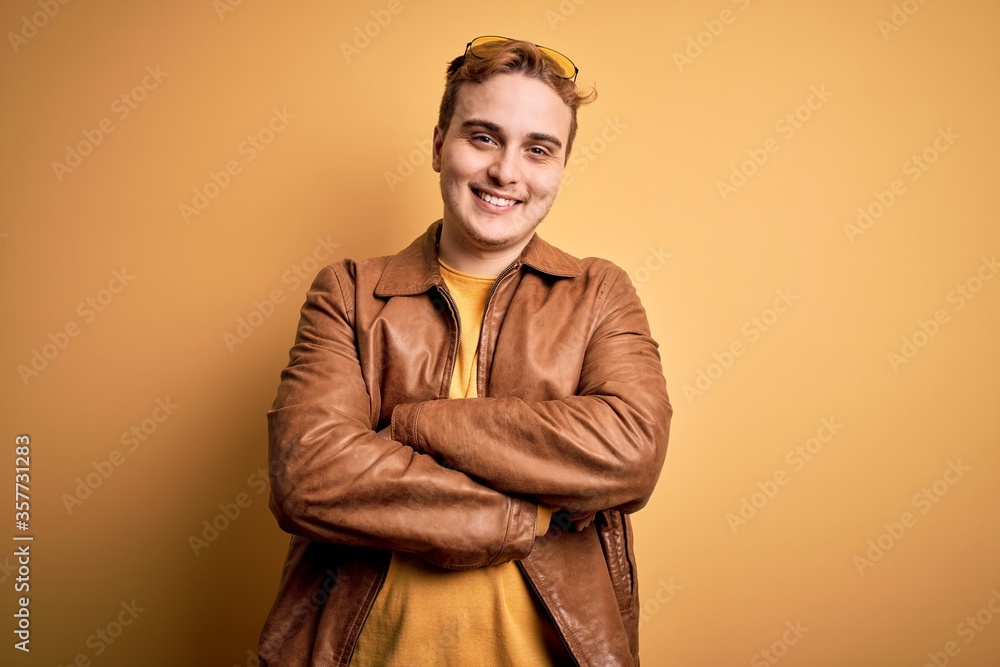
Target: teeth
x,y
496,201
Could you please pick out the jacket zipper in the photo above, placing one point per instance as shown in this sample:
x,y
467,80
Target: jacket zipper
x,y
493,290
548,612
458,338
482,324
458,320
520,565
486,307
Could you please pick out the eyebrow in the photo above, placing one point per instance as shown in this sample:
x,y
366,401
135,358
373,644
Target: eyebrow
x,y
493,127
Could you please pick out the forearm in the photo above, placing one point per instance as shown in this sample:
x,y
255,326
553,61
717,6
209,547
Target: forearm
x,y
334,483
601,448
333,479
551,451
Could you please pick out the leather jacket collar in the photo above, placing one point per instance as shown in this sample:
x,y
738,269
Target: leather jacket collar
x,y
414,270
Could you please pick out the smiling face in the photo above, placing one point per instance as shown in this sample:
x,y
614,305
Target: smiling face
x,y
501,161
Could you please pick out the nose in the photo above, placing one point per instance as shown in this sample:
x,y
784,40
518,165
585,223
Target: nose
x,y
506,167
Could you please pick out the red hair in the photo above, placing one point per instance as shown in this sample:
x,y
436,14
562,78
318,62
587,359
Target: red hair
x,y
513,57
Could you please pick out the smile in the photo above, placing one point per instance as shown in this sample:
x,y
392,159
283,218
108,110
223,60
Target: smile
x,y
496,201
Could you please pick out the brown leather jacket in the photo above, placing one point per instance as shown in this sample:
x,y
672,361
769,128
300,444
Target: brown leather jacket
x,y
573,412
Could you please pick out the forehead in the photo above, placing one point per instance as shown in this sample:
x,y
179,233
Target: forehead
x,y
519,104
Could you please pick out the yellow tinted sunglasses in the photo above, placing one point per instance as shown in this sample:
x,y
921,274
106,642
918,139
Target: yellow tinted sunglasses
x,y
484,47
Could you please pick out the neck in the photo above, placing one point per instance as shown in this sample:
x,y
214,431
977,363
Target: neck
x,y
477,261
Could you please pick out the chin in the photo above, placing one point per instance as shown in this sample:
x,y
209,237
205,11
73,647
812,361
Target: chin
x,y
486,237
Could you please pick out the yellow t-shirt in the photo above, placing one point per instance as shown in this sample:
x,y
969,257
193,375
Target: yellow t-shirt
x,y
428,616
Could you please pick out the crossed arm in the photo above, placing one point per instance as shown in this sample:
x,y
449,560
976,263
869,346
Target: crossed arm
x,y
334,479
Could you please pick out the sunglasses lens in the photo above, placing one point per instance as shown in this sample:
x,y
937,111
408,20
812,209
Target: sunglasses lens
x,y
563,65
485,47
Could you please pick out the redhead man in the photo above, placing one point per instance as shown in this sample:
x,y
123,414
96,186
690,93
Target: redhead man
x,y
464,427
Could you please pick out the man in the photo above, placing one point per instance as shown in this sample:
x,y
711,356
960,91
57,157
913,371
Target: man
x,y
463,427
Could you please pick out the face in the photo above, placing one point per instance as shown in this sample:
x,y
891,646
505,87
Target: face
x,y
500,162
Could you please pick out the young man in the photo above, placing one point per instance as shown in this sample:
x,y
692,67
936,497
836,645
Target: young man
x,y
490,527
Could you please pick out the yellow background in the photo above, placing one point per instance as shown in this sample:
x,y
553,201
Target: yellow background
x,y
349,167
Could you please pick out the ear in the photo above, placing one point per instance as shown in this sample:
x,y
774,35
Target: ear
x,y
437,144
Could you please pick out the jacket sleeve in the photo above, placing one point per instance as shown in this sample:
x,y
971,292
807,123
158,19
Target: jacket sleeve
x,y
334,480
602,448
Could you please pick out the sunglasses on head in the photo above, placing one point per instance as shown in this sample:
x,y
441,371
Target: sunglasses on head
x,y
484,47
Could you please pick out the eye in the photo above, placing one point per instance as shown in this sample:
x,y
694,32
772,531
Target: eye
x,y
484,139
539,151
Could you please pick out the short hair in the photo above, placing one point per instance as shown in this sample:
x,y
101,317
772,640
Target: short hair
x,y
513,57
